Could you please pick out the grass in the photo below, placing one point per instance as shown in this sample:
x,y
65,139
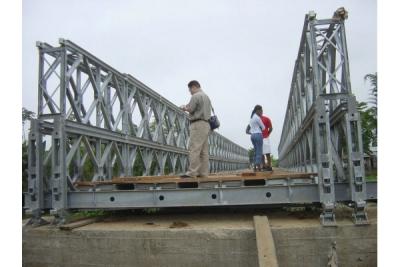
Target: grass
x,y
87,214
371,176
151,210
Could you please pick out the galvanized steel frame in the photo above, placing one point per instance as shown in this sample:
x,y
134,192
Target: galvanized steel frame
x,y
274,192
322,127
94,113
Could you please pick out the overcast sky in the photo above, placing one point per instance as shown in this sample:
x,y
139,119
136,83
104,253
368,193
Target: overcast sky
x,y
242,52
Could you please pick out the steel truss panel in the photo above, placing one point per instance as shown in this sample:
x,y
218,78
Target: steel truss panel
x,y
90,114
322,128
95,123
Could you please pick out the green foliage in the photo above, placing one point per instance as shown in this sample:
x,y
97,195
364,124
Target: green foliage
x,y
151,210
88,169
369,120
368,126
251,154
27,115
274,161
24,166
371,176
373,81
138,166
75,216
168,167
251,158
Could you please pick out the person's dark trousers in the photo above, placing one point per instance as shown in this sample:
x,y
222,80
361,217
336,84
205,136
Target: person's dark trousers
x,y
257,141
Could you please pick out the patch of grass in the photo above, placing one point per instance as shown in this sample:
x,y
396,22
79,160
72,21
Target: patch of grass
x,y
371,176
151,210
88,214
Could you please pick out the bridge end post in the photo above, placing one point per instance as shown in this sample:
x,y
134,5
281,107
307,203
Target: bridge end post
x,y
35,195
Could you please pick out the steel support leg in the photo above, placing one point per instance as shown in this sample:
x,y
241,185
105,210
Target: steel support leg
x,y
59,172
35,175
326,182
356,163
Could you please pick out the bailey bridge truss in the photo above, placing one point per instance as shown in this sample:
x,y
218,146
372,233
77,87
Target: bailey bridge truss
x,y
95,123
104,140
322,127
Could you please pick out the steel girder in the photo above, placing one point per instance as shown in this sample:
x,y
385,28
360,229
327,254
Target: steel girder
x,y
95,123
274,192
322,128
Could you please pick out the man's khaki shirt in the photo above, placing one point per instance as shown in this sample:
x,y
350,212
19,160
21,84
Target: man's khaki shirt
x,y
200,106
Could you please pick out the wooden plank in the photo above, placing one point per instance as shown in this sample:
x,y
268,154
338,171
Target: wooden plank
x,y
265,242
135,178
279,174
79,223
178,179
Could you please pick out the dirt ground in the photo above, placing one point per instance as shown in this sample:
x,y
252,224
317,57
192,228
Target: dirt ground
x,y
221,218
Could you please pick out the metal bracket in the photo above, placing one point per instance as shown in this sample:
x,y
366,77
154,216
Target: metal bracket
x,y
359,214
61,216
36,220
327,216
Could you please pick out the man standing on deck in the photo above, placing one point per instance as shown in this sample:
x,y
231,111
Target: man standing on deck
x,y
199,109
266,143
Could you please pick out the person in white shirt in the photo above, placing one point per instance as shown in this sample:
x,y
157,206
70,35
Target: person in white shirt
x,y
256,128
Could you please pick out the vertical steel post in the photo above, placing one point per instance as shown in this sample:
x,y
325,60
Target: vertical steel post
x,y
35,174
59,166
58,169
356,163
324,159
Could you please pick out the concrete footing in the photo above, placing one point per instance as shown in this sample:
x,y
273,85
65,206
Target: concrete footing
x,y
197,240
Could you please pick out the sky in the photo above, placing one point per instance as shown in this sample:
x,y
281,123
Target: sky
x,y
241,52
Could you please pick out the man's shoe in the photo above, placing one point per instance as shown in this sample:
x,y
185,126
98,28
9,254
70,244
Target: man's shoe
x,y
267,168
186,176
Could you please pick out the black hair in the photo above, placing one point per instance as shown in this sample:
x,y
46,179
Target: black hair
x,y
194,83
256,108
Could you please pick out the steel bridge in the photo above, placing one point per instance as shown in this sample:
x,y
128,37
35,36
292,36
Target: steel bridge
x,y
98,130
322,127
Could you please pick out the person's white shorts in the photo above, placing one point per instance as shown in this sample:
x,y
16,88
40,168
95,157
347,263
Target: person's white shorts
x,y
266,146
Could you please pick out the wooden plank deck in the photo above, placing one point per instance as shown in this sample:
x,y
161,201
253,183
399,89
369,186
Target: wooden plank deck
x,y
243,176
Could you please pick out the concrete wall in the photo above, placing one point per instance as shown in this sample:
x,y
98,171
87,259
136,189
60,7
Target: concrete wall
x,y
356,245
307,246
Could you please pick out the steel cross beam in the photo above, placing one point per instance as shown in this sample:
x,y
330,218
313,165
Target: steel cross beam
x,y
322,128
95,123
274,192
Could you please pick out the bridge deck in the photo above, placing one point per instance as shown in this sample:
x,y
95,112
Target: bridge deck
x,y
245,176
279,187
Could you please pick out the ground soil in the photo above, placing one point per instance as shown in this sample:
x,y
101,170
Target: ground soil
x,y
221,218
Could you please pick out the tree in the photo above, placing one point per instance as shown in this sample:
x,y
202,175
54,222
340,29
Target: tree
x,y
368,126
369,122
251,154
26,115
24,167
372,78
